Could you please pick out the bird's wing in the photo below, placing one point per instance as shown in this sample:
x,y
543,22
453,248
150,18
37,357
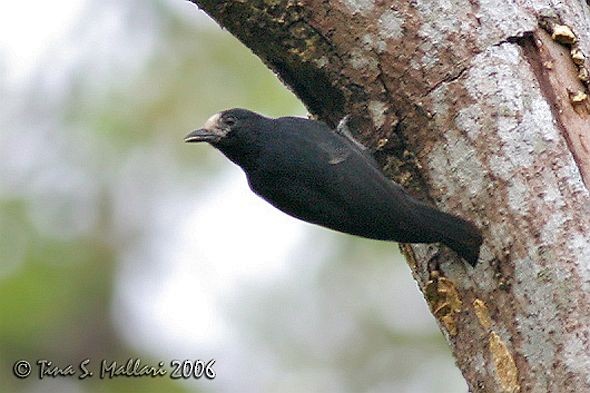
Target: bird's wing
x,y
335,153
314,174
338,144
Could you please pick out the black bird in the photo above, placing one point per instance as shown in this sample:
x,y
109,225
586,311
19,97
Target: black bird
x,y
323,176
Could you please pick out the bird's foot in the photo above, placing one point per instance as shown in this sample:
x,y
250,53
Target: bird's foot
x,y
344,130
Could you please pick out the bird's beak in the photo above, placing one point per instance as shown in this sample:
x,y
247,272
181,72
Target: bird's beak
x,y
202,135
212,131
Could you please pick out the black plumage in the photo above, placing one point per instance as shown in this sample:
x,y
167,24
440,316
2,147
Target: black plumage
x,y
318,175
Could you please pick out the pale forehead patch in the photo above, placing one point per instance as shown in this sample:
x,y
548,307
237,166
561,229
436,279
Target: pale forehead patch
x,y
212,121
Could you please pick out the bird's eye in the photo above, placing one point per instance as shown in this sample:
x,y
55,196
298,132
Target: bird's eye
x,y
230,121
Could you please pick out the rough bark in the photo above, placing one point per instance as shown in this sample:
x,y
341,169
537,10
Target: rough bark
x,y
480,108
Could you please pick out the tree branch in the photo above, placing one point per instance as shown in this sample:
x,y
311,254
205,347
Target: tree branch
x,y
479,108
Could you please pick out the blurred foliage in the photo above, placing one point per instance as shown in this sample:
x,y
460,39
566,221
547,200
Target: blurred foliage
x,y
72,207
55,293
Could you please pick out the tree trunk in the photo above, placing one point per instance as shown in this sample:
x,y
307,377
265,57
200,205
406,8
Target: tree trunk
x,y
480,108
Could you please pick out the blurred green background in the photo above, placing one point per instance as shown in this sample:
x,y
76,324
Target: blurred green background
x,y
119,241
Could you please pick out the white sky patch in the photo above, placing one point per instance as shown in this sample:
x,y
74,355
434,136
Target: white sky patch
x,y
26,30
229,238
48,45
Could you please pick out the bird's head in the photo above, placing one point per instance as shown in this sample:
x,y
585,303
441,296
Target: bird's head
x,y
223,126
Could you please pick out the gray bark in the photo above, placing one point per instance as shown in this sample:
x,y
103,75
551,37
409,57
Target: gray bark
x,y
481,108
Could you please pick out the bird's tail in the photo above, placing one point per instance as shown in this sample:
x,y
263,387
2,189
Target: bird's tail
x,y
460,235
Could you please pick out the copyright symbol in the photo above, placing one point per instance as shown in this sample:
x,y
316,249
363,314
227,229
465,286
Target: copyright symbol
x,y
21,369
